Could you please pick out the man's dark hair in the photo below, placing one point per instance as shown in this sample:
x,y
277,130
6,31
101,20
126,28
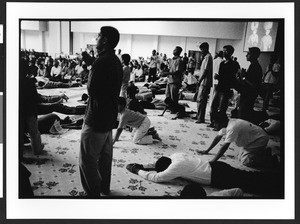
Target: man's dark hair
x,y
193,190
162,164
221,120
229,49
220,54
126,58
255,51
204,45
122,101
179,49
112,35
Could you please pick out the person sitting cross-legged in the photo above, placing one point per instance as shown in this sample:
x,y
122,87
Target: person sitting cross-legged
x,y
139,122
251,139
216,174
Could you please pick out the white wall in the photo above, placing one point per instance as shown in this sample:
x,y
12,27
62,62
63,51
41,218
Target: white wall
x,y
226,30
139,38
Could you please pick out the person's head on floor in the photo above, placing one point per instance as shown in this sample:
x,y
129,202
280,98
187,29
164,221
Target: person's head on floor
x,y
121,104
125,59
162,164
193,191
108,38
221,121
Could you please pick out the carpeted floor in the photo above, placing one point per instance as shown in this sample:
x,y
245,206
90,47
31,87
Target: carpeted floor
x,y
57,173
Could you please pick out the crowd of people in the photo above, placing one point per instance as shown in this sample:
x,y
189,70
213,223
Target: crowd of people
x,y
110,79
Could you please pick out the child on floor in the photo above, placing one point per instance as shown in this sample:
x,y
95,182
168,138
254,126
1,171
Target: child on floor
x,y
140,123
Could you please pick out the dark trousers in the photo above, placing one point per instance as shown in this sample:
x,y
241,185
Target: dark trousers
x,y
247,101
202,98
172,91
261,183
268,93
95,160
219,104
152,74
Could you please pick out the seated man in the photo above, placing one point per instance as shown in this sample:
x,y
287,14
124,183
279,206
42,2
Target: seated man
x,y
217,174
175,108
139,122
252,139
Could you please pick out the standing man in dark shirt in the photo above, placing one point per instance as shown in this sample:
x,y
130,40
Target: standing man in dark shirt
x,y
104,83
249,84
226,78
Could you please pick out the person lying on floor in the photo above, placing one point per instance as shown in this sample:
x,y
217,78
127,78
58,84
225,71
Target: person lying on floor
x,y
216,174
52,124
175,108
251,139
139,122
132,102
53,103
45,83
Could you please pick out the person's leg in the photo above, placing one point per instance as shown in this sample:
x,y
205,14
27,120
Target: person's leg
x,y
246,107
267,97
174,92
140,136
214,108
35,135
91,146
104,164
260,157
202,102
223,104
168,94
225,176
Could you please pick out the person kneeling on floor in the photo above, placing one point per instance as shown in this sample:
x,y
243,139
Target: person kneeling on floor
x,y
251,139
139,122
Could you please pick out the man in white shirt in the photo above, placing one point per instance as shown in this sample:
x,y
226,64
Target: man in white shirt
x,y
251,139
217,174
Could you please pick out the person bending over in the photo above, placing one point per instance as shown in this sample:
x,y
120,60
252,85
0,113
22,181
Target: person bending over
x,y
251,139
139,122
217,174
175,108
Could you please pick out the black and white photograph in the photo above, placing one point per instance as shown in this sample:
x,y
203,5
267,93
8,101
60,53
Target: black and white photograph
x,y
112,110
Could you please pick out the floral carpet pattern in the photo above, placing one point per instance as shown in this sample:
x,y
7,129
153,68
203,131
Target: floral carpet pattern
x,y
56,173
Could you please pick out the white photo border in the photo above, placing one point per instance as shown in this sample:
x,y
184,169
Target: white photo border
x,y
149,208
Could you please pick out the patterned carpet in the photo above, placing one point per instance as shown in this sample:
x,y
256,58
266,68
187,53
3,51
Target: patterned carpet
x,y
57,173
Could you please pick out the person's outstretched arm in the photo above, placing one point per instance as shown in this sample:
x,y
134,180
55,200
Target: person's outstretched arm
x,y
212,145
221,152
118,133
